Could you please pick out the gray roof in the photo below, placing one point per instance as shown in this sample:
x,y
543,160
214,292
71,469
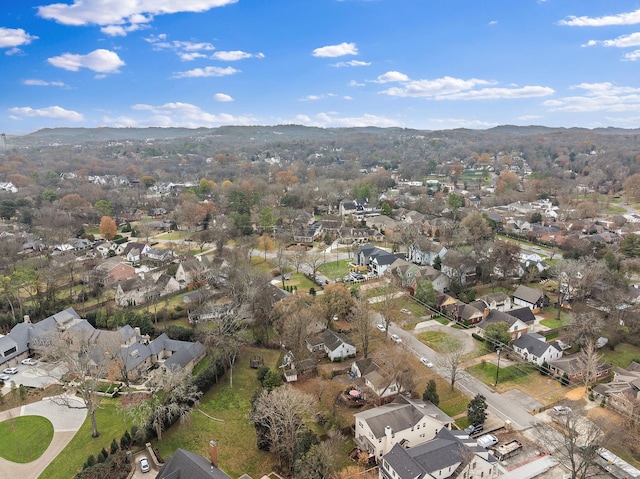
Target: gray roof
x,y
530,295
534,345
187,465
333,340
444,450
523,314
496,316
403,413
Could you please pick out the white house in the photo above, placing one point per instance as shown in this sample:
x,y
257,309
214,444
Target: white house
x,y
450,454
375,378
532,347
423,251
404,421
336,345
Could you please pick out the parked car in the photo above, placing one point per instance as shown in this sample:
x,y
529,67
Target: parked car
x,y
4,377
29,362
487,441
426,362
474,429
144,464
395,338
10,370
381,327
561,410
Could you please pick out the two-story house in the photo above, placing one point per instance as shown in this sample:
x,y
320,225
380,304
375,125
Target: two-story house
x,y
450,454
404,421
423,251
533,347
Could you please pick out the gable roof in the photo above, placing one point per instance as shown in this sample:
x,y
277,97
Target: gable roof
x,y
333,340
524,314
187,465
534,344
401,414
446,449
530,295
496,316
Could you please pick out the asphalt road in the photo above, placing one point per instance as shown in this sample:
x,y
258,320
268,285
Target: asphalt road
x,y
501,406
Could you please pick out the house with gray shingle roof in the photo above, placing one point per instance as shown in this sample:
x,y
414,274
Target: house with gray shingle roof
x,y
337,345
533,347
450,454
187,465
405,421
533,299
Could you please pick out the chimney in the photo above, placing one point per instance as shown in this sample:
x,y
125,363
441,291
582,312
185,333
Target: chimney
x,y
486,312
388,432
137,331
213,452
26,319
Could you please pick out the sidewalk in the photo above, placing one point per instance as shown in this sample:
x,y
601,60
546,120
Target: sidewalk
x,y
66,422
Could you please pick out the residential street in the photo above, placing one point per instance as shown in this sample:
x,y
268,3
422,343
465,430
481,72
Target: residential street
x,y
498,404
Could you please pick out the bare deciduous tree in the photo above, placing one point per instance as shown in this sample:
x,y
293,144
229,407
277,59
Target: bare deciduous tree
x,y
280,415
451,359
575,445
363,325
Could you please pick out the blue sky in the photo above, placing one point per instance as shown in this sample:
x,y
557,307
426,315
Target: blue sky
x,y
427,64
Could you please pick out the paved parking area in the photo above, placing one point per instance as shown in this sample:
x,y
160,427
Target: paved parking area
x,y
39,376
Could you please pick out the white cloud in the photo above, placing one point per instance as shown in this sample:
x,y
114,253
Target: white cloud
x,y
355,83
623,41
392,76
14,37
54,112
332,51
352,63
630,18
222,97
632,56
187,115
493,22
598,97
206,72
450,88
235,55
118,17
100,61
187,51
317,97
36,82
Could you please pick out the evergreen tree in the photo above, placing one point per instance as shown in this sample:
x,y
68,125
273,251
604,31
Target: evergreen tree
x,y
477,410
430,393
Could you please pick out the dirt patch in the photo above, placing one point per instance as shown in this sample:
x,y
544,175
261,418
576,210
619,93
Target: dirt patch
x,y
575,394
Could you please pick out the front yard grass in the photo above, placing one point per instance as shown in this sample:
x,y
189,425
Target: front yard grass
x,y
231,429
112,423
508,377
438,340
24,439
335,269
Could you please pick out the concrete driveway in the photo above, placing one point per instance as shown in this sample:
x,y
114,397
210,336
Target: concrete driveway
x,y
66,422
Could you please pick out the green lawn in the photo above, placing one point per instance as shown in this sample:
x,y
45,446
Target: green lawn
x,y
24,439
437,340
517,374
112,423
621,356
231,429
453,402
335,269
302,282
552,322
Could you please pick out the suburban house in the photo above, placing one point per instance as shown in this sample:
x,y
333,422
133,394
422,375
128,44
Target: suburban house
x,y
533,299
109,248
375,259
138,291
405,421
308,233
439,280
574,367
369,375
158,255
358,208
533,347
134,251
405,270
423,251
623,392
517,327
450,454
459,267
468,314
138,352
336,345
499,301
187,465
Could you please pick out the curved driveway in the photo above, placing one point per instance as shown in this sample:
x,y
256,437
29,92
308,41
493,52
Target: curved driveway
x,y
66,422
